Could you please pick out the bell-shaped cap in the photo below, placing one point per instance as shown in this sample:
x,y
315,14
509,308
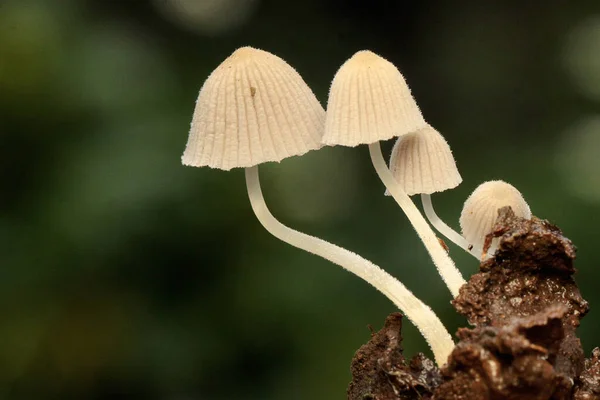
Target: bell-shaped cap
x,y
422,163
481,210
369,101
253,108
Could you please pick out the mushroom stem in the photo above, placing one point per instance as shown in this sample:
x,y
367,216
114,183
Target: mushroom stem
x,y
441,226
446,268
415,310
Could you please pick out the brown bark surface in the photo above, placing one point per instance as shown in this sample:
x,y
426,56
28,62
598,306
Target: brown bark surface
x,y
525,308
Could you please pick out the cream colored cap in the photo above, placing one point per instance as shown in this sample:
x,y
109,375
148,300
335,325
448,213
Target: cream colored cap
x,y
422,162
253,108
369,101
481,210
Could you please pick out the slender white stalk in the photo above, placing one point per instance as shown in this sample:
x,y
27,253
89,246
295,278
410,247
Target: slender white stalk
x,y
415,310
441,226
450,274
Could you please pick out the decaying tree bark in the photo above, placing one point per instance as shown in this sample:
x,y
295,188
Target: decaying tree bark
x,y
525,308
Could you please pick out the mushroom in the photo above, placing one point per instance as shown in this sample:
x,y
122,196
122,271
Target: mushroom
x,y
422,163
480,211
369,101
255,108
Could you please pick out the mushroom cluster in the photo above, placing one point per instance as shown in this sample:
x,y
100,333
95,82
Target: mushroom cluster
x,y
255,108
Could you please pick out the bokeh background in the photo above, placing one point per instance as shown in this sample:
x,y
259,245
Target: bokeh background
x,y
124,275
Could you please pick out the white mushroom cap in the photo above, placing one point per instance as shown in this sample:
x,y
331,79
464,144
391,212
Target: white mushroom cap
x,y
369,101
422,162
481,210
253,108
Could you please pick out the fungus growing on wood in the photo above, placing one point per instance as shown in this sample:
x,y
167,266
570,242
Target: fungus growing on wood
x,y
369,101
480,211
256,108
422,163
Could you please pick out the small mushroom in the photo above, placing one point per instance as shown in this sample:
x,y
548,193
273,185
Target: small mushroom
x,y
256,108
253,108
369,101
422,163
480,211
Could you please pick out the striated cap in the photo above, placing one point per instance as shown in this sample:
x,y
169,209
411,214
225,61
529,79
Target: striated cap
x,y
369,101
481,210
253,108
422,162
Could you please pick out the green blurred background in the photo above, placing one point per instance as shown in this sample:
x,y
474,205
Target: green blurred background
x,y
124,275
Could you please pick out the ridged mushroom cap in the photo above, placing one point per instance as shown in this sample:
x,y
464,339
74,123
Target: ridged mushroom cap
x,y
481,209
422,162
253,108
369,101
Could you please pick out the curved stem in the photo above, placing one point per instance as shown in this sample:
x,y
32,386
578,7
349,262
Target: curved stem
x,y
450,274
415,310
441,226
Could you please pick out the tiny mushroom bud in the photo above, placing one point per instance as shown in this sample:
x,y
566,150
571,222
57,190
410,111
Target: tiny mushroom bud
x,y
481,211
256,108
422,163
369,101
